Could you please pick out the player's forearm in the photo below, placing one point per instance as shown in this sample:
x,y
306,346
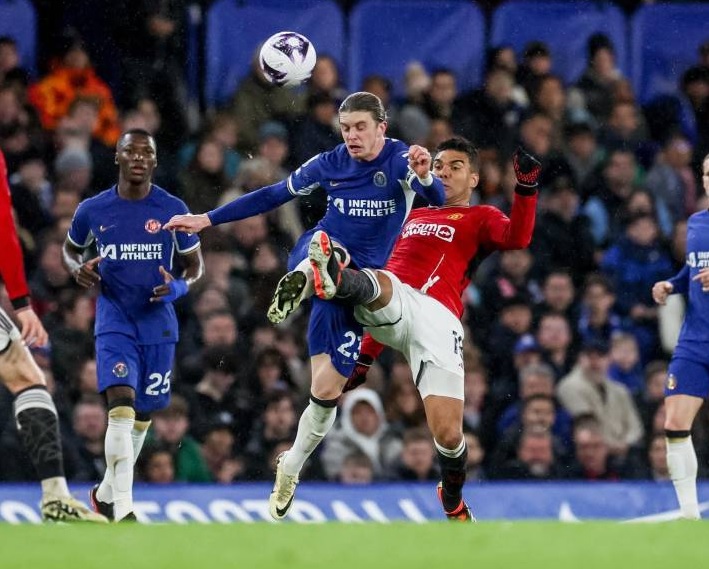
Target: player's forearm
x,y
680,282
71,257
516,232
194,268
431,190
259,201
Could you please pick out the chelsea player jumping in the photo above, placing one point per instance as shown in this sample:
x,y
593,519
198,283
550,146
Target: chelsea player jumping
x,y
688,375
136,327
371,182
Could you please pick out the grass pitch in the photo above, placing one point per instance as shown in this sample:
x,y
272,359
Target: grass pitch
x,y
524,545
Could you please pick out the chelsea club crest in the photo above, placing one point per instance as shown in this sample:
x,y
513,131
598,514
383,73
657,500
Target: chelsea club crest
x,y
120,370
380,179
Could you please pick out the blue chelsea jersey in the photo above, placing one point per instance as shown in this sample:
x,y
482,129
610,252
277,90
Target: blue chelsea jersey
x,y
696,321
132,246
367,202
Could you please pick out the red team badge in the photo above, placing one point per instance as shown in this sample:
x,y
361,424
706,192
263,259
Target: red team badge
x,y
455,216
152,226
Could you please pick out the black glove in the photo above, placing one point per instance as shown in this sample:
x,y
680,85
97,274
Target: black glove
x,y
527,168
359,373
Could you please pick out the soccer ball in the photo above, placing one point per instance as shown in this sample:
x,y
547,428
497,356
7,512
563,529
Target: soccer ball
x,y
287,58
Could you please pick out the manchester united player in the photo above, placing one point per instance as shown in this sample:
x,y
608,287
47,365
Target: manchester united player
x,y
34,408
414,305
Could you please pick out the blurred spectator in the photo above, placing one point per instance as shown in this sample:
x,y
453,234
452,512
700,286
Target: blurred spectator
x,y
213,399
593,460
536,62
362,426
597,319
71,334
89,426
558,295
636,262
170,427
582,152
599,77
489,116
204,180
151,37
515,320
219,456
562,236
402,402
652,396
625,365
319,130
32,193
417,461
534,458
474,469
223,128
357,468
72,77
156,464
671,180
589,390
257,101
555,338
325,79
11,70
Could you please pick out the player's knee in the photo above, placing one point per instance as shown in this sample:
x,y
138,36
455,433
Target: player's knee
x,y
448,436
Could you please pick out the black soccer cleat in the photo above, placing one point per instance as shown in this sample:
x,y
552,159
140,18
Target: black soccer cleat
x,y
103,508
461,513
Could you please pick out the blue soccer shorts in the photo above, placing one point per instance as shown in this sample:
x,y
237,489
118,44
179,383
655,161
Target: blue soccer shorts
x,y
120,360
332,329
688,372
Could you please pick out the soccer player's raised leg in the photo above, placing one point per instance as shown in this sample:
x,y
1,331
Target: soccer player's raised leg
x,y
36,417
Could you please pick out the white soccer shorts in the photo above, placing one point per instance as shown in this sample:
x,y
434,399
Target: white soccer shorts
x,y
426,332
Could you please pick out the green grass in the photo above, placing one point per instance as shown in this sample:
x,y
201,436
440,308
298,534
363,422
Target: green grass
x,y
524,545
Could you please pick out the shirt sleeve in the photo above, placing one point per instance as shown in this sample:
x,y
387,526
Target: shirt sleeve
x,y
12,268
680,282
306,179
514,232
259,201
80,233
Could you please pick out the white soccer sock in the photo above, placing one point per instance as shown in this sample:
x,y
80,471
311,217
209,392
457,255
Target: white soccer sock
x,y
682,463
137,434
119,461
451,452
314,424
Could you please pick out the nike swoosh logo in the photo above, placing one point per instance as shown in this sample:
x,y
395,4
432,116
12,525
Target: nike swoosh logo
x,y
283,511
103,228
334,184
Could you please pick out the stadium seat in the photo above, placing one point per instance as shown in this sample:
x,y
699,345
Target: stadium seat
x,y
565,27
236,28
387,34
664,39
18,20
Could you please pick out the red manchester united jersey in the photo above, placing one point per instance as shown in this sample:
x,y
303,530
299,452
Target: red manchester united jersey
x,y
12,268
438,244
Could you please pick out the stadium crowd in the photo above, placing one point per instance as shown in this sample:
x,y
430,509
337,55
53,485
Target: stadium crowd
x,y
566,352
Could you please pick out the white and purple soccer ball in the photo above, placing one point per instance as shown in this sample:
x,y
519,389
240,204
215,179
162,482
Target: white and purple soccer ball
x,y
287,59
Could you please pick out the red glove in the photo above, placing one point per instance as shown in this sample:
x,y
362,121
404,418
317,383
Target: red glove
x,y
527,168
359,373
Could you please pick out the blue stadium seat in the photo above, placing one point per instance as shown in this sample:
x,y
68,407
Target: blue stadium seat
x,y
565,27
665,38
236,28
387,34
18,20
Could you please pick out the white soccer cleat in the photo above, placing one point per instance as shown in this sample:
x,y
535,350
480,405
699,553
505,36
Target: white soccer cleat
x,y
327,271
68,509
289,293
281,498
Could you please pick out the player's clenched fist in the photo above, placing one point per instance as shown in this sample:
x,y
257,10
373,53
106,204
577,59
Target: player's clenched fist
x,y
189,223
661,290
527,168
359,373
86,274
420,161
